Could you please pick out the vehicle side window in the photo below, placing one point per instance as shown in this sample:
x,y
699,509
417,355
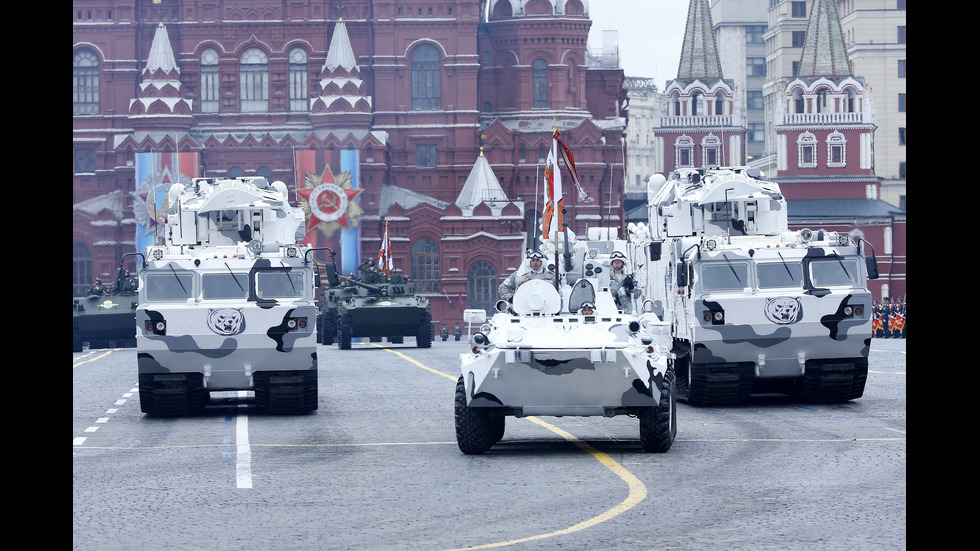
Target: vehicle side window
x,y
280,284
779,274
724,277
825,272
224,286
169,286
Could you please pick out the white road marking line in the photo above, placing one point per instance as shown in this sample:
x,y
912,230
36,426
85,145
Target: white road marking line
x,y
243,451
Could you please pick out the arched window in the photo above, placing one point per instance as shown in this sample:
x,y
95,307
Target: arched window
x,y
850,105
806,145
822,100
235,172
836,150
798,104
425,266
298,87
254,81
684,151
695,101
539,76
210,88
710,150
482,286
426,90
720,103
85,84
81,265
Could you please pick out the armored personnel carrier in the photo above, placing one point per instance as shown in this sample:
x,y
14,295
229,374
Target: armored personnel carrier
x,y
375,307
106,315
754,307
227,303
544,355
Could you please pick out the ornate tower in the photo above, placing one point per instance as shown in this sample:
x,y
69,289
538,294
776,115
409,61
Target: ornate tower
x,y
702,125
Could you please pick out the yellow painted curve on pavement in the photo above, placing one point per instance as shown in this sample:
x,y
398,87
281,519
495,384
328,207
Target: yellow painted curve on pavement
x,y
637,490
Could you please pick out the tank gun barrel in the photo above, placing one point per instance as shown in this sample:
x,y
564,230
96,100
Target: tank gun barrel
x,y
368,286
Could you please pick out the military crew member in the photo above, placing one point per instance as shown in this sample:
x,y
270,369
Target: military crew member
x,y
621,285
535,262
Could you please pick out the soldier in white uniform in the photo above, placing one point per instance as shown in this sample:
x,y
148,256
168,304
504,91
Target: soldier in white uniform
x,y
621,284
536,270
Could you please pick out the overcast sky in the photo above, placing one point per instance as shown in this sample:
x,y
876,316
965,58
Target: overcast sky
x,y
650,34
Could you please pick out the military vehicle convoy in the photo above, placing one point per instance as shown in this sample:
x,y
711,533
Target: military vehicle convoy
x,y
753,307
227,303
374,307
106,316
544,355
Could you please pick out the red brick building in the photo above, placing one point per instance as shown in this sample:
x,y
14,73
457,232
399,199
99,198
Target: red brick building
x,y
434,116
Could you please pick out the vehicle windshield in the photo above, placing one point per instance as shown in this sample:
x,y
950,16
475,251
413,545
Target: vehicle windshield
x,y
224,286
279,284
724,276
833,270
780,274
169,286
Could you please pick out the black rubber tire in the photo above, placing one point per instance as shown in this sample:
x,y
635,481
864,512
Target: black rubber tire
x,y
658,425
473,430
329,328
343,333
498,424
76,339
423,338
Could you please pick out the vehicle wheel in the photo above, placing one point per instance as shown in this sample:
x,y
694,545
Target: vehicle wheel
x,y
329,328
719,385
834,382
172,394
423,338
682,376
658,425
473,430
343,333
498,424
76,339
286,392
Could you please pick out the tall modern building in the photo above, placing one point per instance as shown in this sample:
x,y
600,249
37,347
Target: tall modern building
x,y
702,123
874,35
740,28
434,117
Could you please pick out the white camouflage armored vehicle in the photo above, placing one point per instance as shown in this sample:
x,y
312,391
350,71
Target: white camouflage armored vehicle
x,y
227,303
753,306
542,355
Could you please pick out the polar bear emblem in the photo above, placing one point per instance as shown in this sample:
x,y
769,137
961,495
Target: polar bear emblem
x,y
784,310
226,321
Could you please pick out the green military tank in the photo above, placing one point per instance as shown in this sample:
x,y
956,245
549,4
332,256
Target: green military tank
x,y
375,307
106,315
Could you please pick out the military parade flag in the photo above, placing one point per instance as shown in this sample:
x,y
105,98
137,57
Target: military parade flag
x,y
384,255
554,202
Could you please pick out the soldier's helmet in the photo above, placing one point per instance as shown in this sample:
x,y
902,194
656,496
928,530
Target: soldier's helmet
x,y
616,255
535,254
590,306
